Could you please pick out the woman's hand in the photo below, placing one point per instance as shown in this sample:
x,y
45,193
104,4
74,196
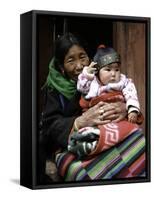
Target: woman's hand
x,y
115,111
102,113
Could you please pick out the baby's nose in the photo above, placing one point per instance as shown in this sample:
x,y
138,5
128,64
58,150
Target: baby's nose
x,y
113,73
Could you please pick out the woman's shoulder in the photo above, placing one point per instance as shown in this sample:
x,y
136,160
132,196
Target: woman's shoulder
x,y
49,92
49,95
46,91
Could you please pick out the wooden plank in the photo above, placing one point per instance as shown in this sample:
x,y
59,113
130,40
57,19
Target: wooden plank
x,y
129,41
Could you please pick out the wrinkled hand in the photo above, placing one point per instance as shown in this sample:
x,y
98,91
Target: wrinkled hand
x,y
117,112
101,114
92,117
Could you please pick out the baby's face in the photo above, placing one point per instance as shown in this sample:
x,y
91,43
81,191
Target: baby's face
x,y
110,73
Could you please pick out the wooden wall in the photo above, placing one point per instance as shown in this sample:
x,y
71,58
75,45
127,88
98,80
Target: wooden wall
x,y
129,41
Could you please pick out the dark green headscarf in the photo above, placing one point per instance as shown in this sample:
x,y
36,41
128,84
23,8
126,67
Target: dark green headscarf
x,y
55,80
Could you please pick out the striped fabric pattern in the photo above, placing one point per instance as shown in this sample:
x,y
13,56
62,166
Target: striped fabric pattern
x,y
125,160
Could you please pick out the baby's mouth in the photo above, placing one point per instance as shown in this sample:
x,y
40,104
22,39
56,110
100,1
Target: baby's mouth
x,y
112,81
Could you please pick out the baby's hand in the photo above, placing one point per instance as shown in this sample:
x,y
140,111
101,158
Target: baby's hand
x,y
132,117
91,68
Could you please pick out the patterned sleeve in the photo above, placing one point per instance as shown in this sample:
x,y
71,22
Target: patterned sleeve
x,y
84,81
130,94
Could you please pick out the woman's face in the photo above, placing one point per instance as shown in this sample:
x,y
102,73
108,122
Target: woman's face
x,y
74,61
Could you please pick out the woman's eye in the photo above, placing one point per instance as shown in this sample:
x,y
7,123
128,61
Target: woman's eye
x,y
83,56
108,70
69,60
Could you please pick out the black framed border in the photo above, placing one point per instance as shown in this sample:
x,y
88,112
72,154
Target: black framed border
x,y
32,25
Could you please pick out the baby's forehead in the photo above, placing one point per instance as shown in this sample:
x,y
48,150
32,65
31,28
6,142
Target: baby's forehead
x,y
113,65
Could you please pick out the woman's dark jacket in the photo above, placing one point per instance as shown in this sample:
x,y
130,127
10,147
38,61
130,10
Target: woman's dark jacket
x,y
57,119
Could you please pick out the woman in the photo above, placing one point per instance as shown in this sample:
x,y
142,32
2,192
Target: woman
x,y
62,113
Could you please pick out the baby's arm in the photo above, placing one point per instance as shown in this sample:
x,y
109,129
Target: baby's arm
x,y
85,78
132,102
131,97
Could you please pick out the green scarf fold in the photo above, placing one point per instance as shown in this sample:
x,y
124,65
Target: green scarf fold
x,y
55,80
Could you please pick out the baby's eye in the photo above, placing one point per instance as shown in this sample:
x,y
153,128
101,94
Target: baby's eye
x,y
107,69
117,70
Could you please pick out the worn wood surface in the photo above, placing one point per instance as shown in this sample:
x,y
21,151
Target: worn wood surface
x,y
129,41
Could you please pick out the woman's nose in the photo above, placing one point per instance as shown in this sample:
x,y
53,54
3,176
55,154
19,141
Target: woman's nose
x,y
79,66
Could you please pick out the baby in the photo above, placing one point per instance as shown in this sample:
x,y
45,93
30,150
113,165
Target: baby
x,y
103,75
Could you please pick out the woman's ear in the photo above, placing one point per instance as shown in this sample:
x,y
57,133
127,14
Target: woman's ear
x,y
62,70
60,67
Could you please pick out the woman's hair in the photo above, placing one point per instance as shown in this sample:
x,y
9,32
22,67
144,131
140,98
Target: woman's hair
x,y
64,43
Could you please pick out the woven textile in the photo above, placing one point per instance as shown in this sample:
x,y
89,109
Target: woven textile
x,y
127,159
93,140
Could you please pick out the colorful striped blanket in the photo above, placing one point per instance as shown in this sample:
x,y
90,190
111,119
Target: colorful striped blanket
x,y
116,156
124,160
113,133
93,140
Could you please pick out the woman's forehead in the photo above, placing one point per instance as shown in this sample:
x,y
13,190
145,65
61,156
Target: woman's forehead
x,y
75,50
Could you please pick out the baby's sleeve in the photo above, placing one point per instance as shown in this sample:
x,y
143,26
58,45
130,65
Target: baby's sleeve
x,y
131,97
84,81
